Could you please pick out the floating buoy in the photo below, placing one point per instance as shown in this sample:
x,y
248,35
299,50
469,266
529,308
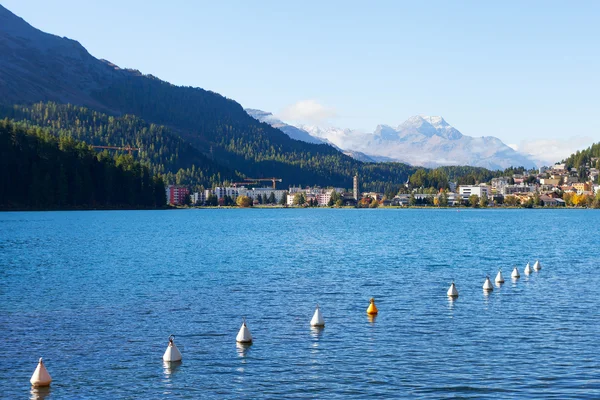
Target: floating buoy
x,y
244,335
372,310
172,353
537,266
40,376
499,277
487,285
515,274
452,292
317,319
527,269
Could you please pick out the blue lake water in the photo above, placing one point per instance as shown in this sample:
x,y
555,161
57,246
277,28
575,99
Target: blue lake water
x,y
98,293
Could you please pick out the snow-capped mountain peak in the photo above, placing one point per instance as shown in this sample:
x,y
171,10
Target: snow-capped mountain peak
x,y
423,140
428,126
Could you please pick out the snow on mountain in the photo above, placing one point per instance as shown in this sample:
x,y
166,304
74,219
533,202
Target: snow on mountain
x,y
290,130
427,141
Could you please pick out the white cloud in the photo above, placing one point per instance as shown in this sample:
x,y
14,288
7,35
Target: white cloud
x,y
307,112
550,151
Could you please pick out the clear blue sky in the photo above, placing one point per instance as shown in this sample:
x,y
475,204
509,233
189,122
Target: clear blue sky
x,y
524,71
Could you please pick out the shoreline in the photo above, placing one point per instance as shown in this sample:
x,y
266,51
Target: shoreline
x,y
279,207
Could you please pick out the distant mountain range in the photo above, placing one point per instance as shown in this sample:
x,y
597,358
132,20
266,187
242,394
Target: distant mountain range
x,y
420,141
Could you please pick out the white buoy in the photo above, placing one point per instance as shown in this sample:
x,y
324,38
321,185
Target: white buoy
x,y
40,376
527,270
515,274
487,285
452,292
317,319
244,335
172,353
499,277
537,266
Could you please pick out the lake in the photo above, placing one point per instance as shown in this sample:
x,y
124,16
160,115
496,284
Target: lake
x,y
98,293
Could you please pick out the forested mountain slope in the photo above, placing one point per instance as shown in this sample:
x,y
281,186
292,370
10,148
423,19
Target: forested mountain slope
x,y
40,171
40,67
162,151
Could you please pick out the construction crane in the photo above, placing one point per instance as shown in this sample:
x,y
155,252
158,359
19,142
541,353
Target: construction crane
x,y
126,148
265,180
236,184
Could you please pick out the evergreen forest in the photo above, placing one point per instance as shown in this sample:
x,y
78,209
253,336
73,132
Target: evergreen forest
x,y
41,171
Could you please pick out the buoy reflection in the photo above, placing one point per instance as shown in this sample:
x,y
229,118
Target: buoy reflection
x,y
171,367
372,318
451,301
316,331
243,349
39,393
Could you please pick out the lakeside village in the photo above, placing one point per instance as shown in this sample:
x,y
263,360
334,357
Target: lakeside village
x,y
556,186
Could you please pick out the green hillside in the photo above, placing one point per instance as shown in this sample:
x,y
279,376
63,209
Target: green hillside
x,y
40,171
584,157
226,141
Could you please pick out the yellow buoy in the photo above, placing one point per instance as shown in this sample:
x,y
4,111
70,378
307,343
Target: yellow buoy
x,y
372,310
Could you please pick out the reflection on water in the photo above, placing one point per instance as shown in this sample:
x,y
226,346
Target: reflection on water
x,y
39,393
171,368
371,318
243,349
486,298
316,331
451,301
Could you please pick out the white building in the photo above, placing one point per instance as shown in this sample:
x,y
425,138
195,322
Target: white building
x,y
479,190
198,197
254,193
499,183
221,192
323,198
558,167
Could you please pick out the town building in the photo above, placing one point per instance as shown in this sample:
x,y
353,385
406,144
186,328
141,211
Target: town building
x,y
568,180
499,183
550,181
400,200
581,187
255,193
323,198
548,201
559,168
514,189
480,190
373,195
177,195
198,198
